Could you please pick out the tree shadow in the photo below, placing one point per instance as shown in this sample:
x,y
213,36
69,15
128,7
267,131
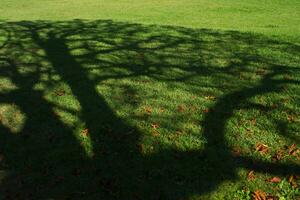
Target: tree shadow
x,y
47,160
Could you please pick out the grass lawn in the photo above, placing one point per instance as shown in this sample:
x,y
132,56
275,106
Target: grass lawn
x,y
152,99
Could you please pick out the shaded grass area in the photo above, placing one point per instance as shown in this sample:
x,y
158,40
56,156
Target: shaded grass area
x,y
103,109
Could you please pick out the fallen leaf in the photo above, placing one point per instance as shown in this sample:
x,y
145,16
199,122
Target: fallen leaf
x,y
292,181
262,148
210,97
155,133
161,110
292,149
85,132
275,179
181,108
253,121
291,118
250,175
259,195
60,92
278,155
155,126
206,110
271,197
148,110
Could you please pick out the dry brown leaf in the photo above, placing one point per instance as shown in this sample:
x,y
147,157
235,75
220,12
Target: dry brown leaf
x,y
291,178
60,92
291,118
250,175
259,195
275,179
292,150
253,121
148,110
278,155
85,132
292,181
181,108
155,126
271,197
262,148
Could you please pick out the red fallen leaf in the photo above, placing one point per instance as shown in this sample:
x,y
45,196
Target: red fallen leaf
x,y
181,108
275,179
155,126
250,175
206,110
85,132
259,195
262,148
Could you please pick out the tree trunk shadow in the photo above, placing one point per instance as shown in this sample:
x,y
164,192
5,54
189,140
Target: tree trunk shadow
x,y
118,166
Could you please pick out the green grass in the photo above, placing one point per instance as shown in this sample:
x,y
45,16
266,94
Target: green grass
x,y
158,106
272,17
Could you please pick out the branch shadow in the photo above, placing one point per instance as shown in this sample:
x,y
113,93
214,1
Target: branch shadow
x,y
47,160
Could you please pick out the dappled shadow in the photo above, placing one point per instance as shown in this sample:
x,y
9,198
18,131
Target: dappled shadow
x,y
47,158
